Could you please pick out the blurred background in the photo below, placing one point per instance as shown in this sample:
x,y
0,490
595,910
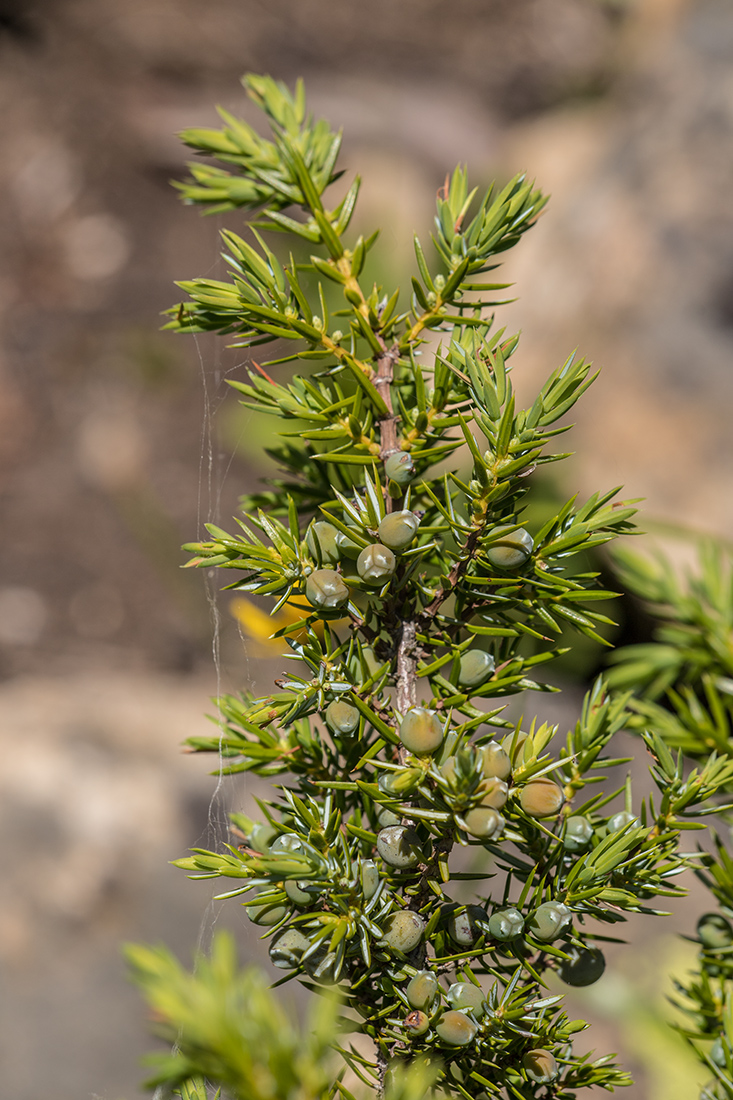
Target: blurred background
x,y
116,440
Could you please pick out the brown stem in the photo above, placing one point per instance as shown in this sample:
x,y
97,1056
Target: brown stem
x,y
381,1071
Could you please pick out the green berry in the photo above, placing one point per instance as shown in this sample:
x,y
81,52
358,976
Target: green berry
x,y
714,931
287,949
369,878
376,564
421,731
549,921
398,530
506,924
321,541
540,1066
456,1029
324,588
495,793
323,967
400,468
463,927
717,1053
511,550
346,546
621,820
403,931
541,797
386,817
416,1023
287,842
268,914
476,666
466,995
341,717
495,761
513,745
422,989
298,892
583,966
399,846
578,834
262,836
484,823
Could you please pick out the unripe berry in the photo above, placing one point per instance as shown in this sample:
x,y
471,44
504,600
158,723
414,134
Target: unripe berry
x,y
495,761
399,846
717,1053
376,564
403,931
583,966
323,536
549,921
513,745
541,797
456,1029
506,924
324,588
484,823
346,547
369,878
495,793
287,949
540,1066
398,530
466,995
714,931
267,914
463,928
476,666
422,989
323,967
620,820
578,833
287,842
416,1023
386,817
297,893
400,468
341,717
262,836
421,731
512,550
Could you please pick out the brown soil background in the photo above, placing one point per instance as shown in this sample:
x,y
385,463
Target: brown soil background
x,y
115,439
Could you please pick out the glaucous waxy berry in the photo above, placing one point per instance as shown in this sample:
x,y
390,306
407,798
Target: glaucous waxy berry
x,y
323,967
341,717
386,817
421,731
583,966
484,823
347,547
369,878
511,550
400,468
475,666
620,820
262,836
513,745
322,536
466,995
422,989
455,1028
399,846
717,1053
495,793
398,530
403,931
495,761
298,892
267,914
376,564
324,588
578,833
505,924
287,842
540,1066
541,797
416,1022
463,927
714,931
287,949
549,921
